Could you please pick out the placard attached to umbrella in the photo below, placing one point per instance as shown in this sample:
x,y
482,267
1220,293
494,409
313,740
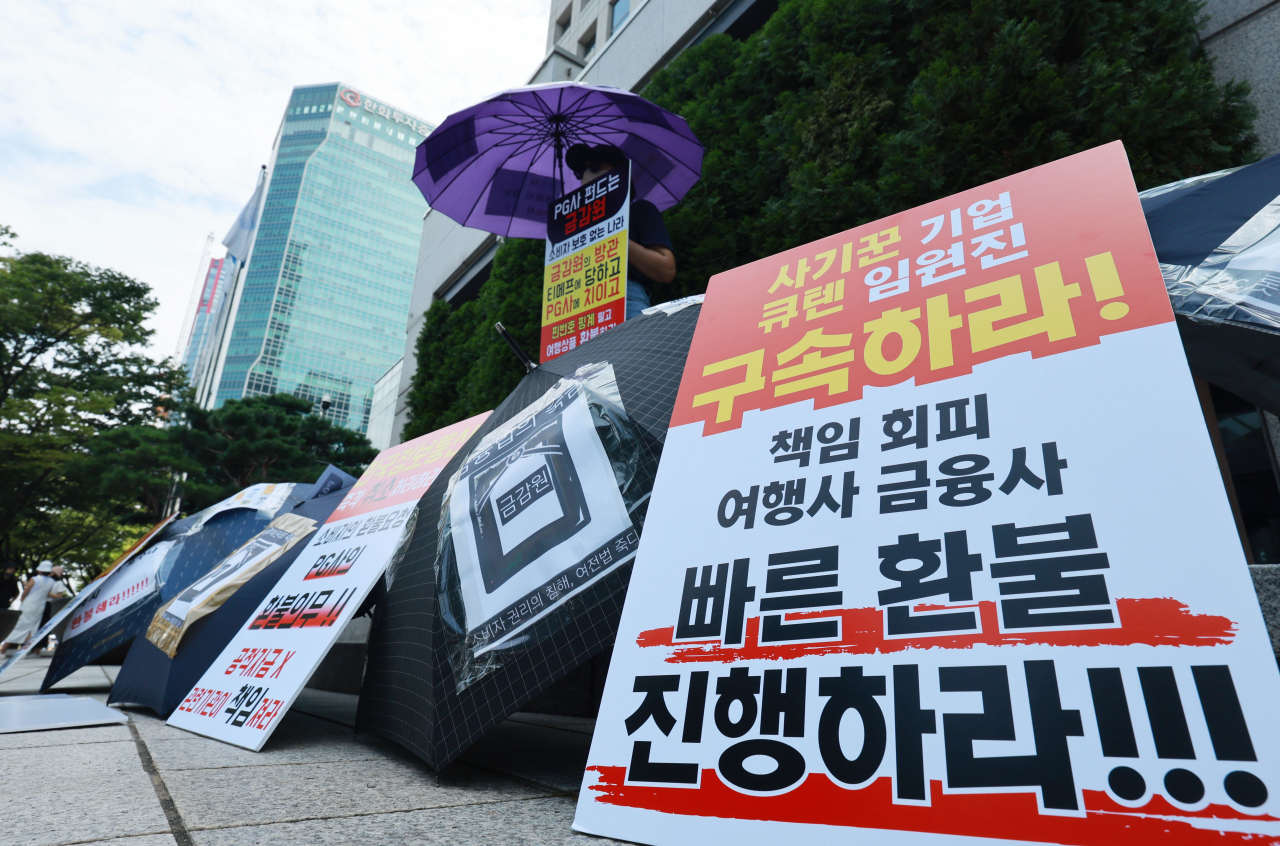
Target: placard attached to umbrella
x,y
80,602
250,686
938,547
208,593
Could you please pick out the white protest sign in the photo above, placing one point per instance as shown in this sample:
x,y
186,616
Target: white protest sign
x,y
938,552
535,512
246,690
127,585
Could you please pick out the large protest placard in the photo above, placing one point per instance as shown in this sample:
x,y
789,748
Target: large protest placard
x,y
938,551
250,686
584,283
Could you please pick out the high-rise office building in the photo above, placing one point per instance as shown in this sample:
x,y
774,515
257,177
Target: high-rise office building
x,y
195,358
321,305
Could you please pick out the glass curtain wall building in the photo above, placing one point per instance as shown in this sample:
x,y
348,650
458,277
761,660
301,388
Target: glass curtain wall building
x,y
210,303
325,295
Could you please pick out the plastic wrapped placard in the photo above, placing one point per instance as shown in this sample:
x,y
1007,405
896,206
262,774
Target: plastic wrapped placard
x,y
540,511
1239,282
208,593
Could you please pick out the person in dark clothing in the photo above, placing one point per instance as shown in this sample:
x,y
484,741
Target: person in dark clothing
x,y
650,257
9,587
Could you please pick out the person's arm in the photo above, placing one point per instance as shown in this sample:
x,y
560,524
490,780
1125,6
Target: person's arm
x,y
658,263
27,590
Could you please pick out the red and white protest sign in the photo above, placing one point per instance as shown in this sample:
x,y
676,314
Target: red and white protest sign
x,y
246,690
938,551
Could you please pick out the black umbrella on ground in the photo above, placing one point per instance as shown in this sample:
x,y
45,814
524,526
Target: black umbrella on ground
x,y
195,545
194,555
151,679
1217,238
413,692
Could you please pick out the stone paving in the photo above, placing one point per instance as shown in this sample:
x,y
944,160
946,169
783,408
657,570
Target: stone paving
x,y
315,782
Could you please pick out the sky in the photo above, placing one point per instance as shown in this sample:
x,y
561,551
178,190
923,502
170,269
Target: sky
x,y
134,129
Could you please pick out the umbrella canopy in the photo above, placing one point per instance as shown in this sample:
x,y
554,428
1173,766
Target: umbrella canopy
x,y
498,165
151,679
411,693
1217,238
189,548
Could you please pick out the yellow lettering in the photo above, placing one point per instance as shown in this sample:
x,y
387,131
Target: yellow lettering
x,y
941,324
753,381
893,322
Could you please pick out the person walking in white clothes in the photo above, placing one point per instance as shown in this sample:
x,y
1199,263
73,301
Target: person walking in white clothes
x,y
45,585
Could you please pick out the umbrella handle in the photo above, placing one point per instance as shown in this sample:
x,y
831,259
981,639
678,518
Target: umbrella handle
x,y
529,366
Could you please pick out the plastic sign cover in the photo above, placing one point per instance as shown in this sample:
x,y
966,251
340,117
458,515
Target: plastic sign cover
x,y
535,513
127,585
938,547
250,686
208,593
584,282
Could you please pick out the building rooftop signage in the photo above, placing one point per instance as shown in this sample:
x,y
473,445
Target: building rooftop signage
x,y
356,100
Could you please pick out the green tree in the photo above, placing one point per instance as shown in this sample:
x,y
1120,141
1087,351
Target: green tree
x,y
258,439
71,368
471,368
840,112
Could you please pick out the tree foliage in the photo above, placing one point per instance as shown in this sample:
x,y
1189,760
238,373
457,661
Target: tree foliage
x,y
97,440
71,368
464,366
257,439
840,112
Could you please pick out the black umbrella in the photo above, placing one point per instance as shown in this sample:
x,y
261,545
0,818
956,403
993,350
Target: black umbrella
x,y
411,693
198,545
1217,238
150,678
194,555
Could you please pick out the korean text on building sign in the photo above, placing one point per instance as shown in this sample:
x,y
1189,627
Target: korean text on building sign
x,y
918,557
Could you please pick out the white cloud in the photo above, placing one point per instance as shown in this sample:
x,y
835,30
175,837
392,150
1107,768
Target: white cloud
x,y
133,129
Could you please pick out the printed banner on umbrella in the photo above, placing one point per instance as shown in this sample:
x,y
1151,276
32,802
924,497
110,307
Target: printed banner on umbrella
x,y
266,498
208,593
127,585
250,686
584,283
78,604
920,560
535,514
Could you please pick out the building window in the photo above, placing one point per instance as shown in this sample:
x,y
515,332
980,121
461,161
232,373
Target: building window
x,y
588,43
564,21
618,14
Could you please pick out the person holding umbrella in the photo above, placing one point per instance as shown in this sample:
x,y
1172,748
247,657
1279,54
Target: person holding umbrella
x,y
498,165
42,587
650,258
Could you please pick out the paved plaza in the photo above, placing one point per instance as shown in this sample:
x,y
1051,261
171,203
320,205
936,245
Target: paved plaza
x,y
315,782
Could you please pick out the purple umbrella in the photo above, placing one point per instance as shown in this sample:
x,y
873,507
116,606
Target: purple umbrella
x,y
497,165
